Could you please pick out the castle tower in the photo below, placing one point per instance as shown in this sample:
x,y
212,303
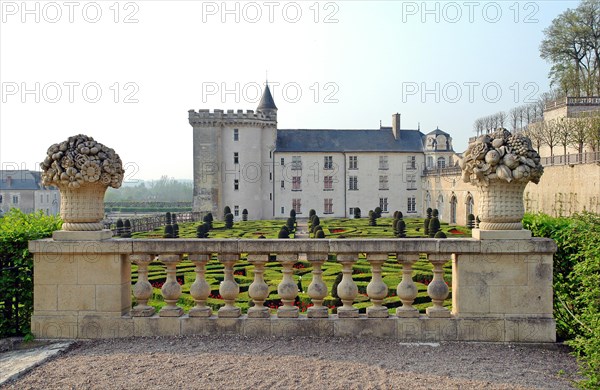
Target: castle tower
x,y
233,159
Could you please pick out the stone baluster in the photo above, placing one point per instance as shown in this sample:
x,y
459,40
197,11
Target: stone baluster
x,y
200,289
317,290
438,289
228,288
171,290
258,290
347,289
407,290
376,289
287,289
142,290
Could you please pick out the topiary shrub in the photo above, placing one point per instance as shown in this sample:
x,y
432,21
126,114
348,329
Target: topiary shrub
x,y
429,211
470,221
173,218
175,230
168,231
293,214
396,214
168,218
334,289
244,215
119,231
311,212
400,215
126,229
226,210
440,234
434,226
291,221
401,228
372,218
316,221
477,222
283,233
357,213
427,221
320,234
208,220
394,223
377,212
202,231
436,213
228,221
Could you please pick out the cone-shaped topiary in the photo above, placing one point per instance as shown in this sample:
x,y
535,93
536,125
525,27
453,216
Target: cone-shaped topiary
x,y
372,218
290,223
244,215
202,231
320,234
356,212
228,221
119,231
434,226
208,220
168,231
126,229
470,221
226,210
440,234
168,218
401,227
429,211
173,218
175,230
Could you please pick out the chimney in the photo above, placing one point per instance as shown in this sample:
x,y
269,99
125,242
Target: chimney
x,y
396,125
9,181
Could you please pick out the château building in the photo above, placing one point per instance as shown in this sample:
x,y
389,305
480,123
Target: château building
x,y
23,190
242,160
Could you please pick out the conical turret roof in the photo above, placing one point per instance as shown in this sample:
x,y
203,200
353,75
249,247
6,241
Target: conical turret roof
x,y
266,101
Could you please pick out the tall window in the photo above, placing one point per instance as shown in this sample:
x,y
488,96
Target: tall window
x,y
353,183
383,162
383,183
430,162
236,135
296,163
15,199
282,161
383,203
41,198
282,210
297,206
469,204
411,207
328,182
236,184
296,183
353,162
236,210
0,198
441,163
283,184
412,162
328,206
411,182
328,162
236,158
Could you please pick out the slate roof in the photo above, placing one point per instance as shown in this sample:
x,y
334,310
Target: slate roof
x,y
378,140
266,101
20,180
437,131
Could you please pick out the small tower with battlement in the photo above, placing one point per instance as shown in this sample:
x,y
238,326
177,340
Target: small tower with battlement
x,y
233,159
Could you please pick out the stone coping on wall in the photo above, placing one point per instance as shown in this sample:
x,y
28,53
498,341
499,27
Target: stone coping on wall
x,y
422,329
308,246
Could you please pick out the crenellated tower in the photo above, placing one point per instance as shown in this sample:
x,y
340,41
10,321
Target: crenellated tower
x,y
233,159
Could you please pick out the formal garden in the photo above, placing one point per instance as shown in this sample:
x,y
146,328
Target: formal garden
x,y
576,270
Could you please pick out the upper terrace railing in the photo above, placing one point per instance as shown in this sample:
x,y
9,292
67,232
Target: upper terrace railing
x,y
572,159
572,101
448,171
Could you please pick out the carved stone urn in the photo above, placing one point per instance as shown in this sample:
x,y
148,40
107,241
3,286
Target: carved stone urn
x,y
500,165
82,169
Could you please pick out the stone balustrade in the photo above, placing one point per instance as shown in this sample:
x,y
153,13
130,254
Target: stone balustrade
x,y
501,289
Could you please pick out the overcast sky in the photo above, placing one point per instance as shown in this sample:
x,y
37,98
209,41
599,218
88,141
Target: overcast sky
x,y
126,73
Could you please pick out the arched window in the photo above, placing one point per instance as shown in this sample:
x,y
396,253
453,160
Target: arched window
x,y
453,209
427,200
470,204
441,162
440,206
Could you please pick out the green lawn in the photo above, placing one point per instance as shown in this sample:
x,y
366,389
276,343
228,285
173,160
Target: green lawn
x,y
333,228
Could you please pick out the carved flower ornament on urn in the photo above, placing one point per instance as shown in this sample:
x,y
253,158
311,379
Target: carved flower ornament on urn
x,y
82,169
500,165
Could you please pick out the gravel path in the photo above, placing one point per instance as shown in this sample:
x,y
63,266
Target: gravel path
x,y
300,363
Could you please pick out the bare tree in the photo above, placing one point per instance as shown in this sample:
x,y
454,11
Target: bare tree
x,y
501,118
549,134
514,118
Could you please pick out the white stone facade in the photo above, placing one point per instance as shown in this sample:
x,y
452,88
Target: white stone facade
x,y
243,161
